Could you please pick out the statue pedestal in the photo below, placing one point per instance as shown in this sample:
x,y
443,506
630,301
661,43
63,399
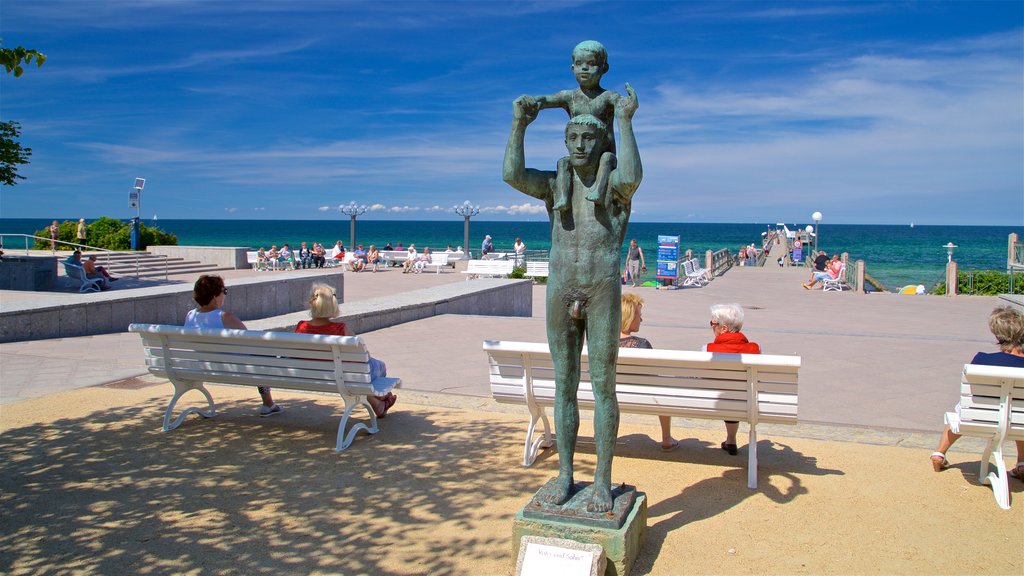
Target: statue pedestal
x,y
620,532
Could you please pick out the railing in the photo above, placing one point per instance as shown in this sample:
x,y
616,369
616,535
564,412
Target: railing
x,y
721,260
988,282
82,247
1014,260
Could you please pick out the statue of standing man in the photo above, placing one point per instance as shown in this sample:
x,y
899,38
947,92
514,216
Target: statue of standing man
x,y
583,290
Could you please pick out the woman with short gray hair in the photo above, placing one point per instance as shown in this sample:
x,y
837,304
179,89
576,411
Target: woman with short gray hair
x,y
726,323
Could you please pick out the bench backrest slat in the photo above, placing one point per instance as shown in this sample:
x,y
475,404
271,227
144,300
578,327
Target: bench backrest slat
x,y
982,393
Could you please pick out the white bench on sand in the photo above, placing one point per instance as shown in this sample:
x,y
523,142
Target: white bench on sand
x,y
752,388
78,278
536,269
189,357
992,406
495,268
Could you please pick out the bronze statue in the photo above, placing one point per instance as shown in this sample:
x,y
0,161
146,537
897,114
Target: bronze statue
x,y
583,290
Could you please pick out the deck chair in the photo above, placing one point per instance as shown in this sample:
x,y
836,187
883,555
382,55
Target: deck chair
x,y
834,284
77,276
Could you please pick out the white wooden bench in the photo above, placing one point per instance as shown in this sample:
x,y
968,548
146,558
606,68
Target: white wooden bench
x,y
189,357
438,260
76,274
488,268
253,258
536,269
752,388
992,406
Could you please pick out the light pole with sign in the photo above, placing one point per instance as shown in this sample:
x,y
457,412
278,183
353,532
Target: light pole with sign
x,y
135,201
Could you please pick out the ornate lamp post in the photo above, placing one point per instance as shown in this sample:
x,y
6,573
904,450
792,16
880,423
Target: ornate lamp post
x,y
949,251
467,211
352,211
817,220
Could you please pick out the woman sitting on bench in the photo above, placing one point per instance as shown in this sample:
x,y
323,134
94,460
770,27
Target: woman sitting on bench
x,y
726,323
1007,325
323,305
209,292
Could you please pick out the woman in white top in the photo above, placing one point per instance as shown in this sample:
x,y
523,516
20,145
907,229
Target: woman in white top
x,y
209,292
410,259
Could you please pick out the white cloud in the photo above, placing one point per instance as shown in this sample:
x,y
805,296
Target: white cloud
x,y
325,209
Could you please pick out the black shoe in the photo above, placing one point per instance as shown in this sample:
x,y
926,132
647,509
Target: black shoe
x,y
730,448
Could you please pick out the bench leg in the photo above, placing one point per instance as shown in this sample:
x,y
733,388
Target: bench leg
x,y
351,403
997,479
532,447
179,389
752,459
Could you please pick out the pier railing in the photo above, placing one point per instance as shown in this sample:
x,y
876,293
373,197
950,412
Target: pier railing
x,y
1014,260
719,261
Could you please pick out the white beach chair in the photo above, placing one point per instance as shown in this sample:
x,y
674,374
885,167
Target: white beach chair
x,y
77,276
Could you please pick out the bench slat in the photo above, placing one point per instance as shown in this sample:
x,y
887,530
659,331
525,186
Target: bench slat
x,y
360,373
352,363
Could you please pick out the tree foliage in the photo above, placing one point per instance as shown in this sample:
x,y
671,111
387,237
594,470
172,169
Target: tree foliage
x,y
11,153
13,58
105,232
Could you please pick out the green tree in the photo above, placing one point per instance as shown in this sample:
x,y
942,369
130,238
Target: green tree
x,y
11,152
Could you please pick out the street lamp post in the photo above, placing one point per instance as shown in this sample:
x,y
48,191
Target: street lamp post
x,y
352,210
949,251
817,220
467,211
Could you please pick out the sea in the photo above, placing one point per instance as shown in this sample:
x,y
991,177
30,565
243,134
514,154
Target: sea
x,y
894,255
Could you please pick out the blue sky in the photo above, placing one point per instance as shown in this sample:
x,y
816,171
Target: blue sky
x,y
870,112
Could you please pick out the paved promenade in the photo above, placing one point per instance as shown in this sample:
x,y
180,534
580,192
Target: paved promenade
x,y
89,484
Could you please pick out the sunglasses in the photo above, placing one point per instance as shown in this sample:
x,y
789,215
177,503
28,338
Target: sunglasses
x,y
224,291
713,324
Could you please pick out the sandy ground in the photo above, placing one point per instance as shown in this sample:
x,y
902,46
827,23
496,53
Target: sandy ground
x,y
89,485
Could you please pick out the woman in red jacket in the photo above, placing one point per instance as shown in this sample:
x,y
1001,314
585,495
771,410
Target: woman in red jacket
x,y
726,323
323,305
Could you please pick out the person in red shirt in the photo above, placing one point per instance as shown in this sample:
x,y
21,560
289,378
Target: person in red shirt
x,y
323,305
726,323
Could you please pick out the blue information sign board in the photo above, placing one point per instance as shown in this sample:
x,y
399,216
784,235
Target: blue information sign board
x,y
668,257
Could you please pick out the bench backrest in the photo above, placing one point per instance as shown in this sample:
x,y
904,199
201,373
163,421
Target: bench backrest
x,y
993,396
252,256
537,269
489,266
279,359
681,383
74,272
439,258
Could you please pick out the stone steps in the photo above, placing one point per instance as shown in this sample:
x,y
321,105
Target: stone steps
x,y
144,264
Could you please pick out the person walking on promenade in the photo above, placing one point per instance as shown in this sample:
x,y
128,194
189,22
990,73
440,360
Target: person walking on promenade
x,y
209,293
486,248
635,262
80,233
54,234
631,319
831,271
1007,325
323,305
520,250
726,323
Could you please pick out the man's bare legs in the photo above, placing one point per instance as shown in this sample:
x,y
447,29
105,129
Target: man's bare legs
x,y
565,339
603,350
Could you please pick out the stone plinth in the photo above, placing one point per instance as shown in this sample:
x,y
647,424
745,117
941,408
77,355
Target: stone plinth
x,y
36,273
621,545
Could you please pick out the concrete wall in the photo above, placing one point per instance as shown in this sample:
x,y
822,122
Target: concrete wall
x,y
486,296
223,257
28,272
113,311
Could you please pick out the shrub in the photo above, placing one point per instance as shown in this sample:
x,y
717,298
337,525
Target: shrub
x,y
984,283
104,232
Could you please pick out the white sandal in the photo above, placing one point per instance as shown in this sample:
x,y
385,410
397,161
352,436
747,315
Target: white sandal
x,y
939,465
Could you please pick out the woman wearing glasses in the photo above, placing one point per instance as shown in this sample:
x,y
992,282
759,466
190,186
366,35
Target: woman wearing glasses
x,y
209,292
726,323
